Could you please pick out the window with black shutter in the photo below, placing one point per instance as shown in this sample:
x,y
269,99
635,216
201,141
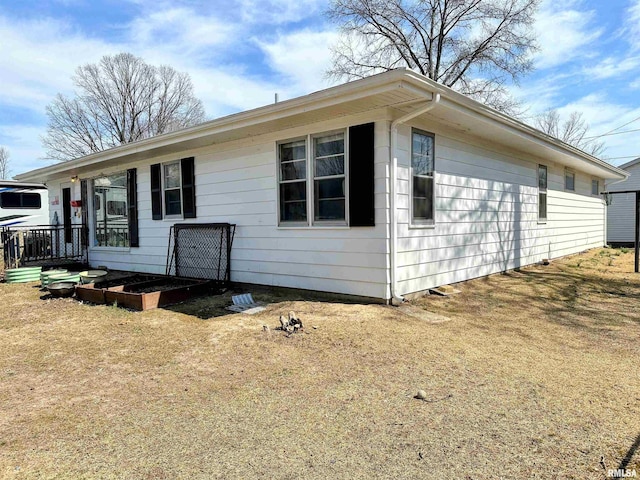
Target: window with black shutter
x,y
327,179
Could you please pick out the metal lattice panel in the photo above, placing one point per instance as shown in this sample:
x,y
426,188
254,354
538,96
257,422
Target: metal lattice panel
x,y
201,250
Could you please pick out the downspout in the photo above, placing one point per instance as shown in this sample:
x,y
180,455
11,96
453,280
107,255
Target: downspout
x,y
393,139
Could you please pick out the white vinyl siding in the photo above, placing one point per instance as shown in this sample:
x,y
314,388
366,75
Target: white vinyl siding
x,y
487,207
486,204
238,182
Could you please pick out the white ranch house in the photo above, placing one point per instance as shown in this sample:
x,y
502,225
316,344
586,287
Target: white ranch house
x,y
380,187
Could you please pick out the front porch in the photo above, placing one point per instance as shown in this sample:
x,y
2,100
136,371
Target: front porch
x,y
43,245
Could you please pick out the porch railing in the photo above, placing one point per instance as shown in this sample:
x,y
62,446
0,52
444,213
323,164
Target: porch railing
x,y
42,243
112,236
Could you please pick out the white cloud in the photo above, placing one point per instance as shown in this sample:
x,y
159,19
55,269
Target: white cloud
x,y
37,59
604,115
631,29
541,94
182,31
278,12
613,67
563,33
301,59
24,153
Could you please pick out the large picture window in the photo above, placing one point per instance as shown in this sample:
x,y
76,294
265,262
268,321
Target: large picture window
x,y
542,192
422,177
111,227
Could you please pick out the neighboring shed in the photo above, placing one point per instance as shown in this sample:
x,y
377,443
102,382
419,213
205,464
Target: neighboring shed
x,y
380,187
621,214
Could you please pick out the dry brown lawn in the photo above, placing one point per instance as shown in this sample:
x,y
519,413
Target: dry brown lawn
x,y
535,375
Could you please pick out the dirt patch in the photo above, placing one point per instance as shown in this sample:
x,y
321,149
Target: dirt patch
x,y
536,375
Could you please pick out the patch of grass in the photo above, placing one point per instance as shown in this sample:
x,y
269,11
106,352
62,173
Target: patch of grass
x,y
533,374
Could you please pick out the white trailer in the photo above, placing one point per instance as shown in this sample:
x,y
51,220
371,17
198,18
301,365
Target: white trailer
x,y
23,204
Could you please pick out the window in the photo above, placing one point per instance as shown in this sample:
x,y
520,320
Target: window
x,y
595,187
569,180
20,200
172,188
325,165
293,181
111,225
329,178
422,174
542,192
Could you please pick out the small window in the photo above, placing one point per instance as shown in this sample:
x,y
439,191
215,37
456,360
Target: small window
x,y
422,173
569,180
542,192
329,177
20,200
595,187
293,181
172,189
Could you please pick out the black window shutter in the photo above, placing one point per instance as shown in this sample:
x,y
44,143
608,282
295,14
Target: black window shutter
x,y
84,235
188,188
156,192
66,215
132,205
361,185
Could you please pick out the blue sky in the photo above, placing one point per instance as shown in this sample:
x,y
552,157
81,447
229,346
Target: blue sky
x,y
240,52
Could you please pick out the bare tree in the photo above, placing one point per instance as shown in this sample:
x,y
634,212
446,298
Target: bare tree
x,y
473,46
119,100
573,131
5,171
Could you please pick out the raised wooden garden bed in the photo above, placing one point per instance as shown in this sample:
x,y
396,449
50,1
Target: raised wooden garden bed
x,y
143,292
